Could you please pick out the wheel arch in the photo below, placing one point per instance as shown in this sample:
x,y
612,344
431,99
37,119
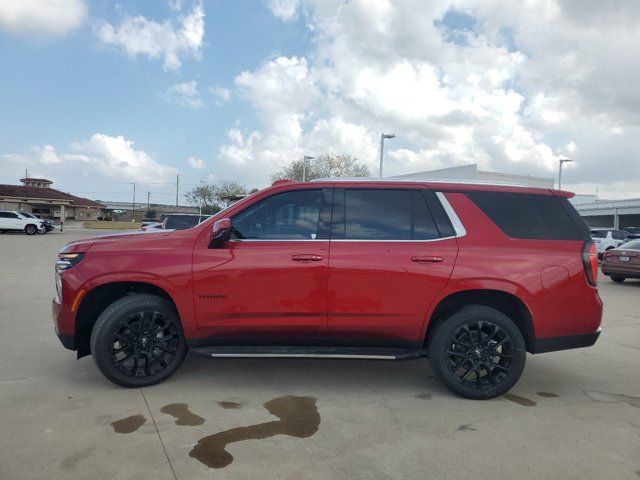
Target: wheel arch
x,y
96,300
505,302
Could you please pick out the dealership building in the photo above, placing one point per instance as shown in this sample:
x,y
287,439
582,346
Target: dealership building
x,y
36,196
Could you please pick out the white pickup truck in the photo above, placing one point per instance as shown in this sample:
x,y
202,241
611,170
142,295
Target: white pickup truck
x,y
15,221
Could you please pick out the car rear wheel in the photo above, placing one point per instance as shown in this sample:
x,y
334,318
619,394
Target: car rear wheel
x,y
618,279
477,352
30,229
138,341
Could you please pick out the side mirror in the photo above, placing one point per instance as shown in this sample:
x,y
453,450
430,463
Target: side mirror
x,y
220,233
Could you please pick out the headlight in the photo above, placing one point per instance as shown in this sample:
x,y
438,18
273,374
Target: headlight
x,y
65,262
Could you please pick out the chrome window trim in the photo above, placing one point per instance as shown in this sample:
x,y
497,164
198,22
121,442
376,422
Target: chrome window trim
x,y
339,240
453,216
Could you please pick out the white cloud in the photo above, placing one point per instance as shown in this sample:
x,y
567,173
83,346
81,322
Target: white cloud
x,y
99,157
185,94
223,95
284,9
41,17
170,40
197,163
530,81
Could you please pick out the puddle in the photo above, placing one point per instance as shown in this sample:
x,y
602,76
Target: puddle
x,y
230,405
129,424
424,396
603,397
298,417
180,411
467,428
548,395
519,400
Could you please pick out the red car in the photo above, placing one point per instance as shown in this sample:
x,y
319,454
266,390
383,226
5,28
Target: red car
x,y
471,276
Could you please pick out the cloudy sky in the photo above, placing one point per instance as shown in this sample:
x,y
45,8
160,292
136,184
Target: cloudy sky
x,y
96,94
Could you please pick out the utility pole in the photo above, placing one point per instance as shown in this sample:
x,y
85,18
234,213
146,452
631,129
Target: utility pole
x,y
148,195
177,187
382,137
133,205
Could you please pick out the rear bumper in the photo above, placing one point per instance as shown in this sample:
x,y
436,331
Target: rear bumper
x,y
621,270
552,344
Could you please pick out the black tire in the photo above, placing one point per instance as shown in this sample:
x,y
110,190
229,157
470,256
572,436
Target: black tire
x,y
138,341
477,366
618,279
30,229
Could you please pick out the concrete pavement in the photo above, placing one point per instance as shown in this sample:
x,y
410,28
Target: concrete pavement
x,y
574,414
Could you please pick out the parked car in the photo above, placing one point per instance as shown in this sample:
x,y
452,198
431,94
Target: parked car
x,y
182,221
632,230
607,238
622,262
16,222
471,276
48,224
151,227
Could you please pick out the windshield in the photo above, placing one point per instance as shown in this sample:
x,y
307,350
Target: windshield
x,y
599,233
28,215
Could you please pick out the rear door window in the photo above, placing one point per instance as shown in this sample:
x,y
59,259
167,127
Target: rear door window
x,y
531,216
385,214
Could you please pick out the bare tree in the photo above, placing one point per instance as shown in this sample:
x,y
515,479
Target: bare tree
x,y
326,165
212,198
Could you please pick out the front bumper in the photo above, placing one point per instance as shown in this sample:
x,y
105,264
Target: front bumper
x,y
60,321
553,344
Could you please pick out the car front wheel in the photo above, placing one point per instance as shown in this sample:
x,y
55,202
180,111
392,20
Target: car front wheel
x,y
30,229
477,352
138,341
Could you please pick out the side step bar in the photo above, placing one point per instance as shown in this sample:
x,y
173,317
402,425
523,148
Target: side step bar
x,y
308,352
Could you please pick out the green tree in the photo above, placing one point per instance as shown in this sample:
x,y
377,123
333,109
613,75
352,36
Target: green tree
x,y
211,198
326,165
150,214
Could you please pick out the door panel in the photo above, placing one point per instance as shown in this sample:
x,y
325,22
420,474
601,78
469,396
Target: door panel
x,y
392,252
260,289
377,291
270,281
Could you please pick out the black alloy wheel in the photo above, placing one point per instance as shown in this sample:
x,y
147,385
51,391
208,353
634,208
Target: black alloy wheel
x,y
477,352
30,229
138,340
145,343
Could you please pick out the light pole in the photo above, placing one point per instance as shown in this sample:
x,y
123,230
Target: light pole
x,y
562,161
382,137
304,166
133,204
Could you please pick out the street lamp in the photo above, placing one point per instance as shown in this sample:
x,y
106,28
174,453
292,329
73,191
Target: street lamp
x,y
304,166
382,137
562,161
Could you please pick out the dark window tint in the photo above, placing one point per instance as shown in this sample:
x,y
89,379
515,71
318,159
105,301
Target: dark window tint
x,y
620,234
289,215
528,216
424,227
377,214
599,233
181,222
3,215
439,215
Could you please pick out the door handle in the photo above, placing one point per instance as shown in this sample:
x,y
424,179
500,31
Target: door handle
x,y
306,258
419,259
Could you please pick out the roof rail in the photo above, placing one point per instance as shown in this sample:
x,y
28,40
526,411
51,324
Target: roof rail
x,y
423,180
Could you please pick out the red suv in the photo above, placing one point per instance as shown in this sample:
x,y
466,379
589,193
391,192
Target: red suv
x,y
471,276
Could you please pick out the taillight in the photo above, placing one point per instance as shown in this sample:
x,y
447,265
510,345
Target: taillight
x,y
590,262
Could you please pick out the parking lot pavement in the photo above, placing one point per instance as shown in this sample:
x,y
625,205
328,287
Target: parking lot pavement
x,y
574,414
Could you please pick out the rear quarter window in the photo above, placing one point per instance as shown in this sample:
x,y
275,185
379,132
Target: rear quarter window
x,y
532,216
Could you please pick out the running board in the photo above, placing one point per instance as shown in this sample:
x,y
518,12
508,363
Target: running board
x,y
308,352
